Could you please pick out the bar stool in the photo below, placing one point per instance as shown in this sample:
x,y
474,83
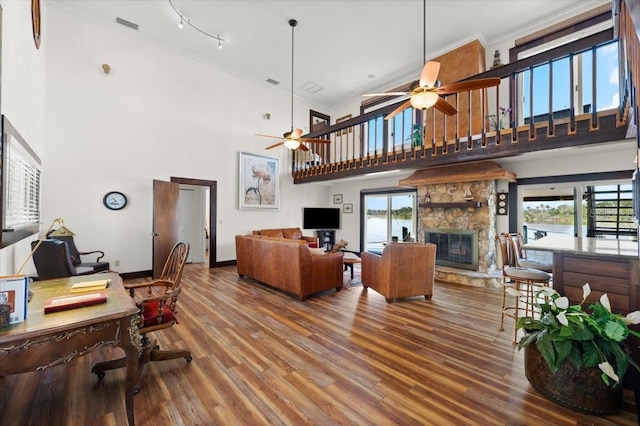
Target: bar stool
x,y
521,256
523,282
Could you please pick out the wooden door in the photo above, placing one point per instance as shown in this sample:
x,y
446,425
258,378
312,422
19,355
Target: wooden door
x,y
165,223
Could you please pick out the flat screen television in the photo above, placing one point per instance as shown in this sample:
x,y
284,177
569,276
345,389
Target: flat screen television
x,y
320,218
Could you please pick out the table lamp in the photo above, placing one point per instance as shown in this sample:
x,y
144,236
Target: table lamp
x,y
60,232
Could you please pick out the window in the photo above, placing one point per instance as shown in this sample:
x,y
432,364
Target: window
x,y
389,216
19,186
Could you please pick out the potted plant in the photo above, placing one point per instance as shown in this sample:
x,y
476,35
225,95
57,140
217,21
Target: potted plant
x,y
577,357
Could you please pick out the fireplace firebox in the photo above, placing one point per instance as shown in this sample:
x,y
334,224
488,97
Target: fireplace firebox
x,y
456,248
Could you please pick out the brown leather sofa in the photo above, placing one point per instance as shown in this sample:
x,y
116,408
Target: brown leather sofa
x,y
288,264
288,233
403,270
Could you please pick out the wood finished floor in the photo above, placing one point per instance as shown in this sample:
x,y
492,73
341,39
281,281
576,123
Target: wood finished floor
x,y
348,358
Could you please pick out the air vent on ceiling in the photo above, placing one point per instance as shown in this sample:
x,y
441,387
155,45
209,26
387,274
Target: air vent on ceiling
x,y
272,81
127,23
311,87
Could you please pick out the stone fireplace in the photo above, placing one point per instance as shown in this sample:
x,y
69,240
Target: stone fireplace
x,y
458,200
456,248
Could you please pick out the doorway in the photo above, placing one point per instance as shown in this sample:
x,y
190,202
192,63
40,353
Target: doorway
x,y
197,217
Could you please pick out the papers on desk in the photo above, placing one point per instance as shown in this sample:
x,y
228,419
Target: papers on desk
x,y
87,286
62,303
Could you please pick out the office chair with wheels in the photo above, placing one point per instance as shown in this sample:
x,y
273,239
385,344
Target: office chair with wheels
x,y
157,312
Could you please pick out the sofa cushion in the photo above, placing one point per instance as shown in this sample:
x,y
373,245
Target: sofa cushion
x,y
292,233
272,233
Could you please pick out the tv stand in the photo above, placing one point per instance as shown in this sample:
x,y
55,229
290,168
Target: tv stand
x,y
327,238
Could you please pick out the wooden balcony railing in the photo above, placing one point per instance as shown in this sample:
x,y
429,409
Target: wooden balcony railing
x,y
370,144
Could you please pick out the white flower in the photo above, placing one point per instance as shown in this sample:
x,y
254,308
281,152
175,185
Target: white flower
x,y
547,291
608,370
604,300
562,319
562,302
632,318
586,291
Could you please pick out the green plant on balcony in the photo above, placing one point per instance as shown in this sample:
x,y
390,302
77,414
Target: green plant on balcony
x,y
499,121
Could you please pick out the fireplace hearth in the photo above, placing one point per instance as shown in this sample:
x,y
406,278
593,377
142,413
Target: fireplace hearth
x,y
456,248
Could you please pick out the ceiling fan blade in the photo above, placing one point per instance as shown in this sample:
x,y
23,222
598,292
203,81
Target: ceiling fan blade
x,y
269,136
387,94
275,145
444,106
303,147
465,86
315,140
429,74
398,110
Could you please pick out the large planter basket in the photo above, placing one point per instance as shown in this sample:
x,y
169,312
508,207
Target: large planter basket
x,y
581,390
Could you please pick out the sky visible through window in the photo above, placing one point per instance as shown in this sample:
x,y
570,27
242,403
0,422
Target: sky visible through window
x,y
607,85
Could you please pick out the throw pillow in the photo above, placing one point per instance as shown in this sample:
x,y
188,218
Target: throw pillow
x,y
272,233
339,246
317,251
292,233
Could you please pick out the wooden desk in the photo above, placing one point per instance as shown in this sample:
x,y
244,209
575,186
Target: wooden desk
x,y
43,341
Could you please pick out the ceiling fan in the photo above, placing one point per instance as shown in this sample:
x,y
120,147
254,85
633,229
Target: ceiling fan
x,y
292,139
426,92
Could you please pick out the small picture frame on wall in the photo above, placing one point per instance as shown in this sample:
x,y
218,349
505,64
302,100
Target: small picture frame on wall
x,y
347,208
337,198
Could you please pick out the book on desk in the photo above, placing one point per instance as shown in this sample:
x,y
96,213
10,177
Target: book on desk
x,y
62,303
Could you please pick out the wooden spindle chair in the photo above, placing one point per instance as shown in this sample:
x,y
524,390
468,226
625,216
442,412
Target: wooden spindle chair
x,y
157,312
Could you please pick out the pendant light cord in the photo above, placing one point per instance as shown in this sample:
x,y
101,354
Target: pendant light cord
x,y
293,24
424,32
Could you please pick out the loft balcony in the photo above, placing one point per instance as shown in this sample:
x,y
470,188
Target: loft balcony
x,y
493,123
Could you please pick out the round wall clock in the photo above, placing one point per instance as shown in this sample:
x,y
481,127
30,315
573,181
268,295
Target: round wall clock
x,y
35,22
114,200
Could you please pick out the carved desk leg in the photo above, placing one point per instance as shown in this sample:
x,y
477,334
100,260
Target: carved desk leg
x,y
132,346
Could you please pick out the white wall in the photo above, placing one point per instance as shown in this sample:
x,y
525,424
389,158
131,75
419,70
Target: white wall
x,y
156,115
22,95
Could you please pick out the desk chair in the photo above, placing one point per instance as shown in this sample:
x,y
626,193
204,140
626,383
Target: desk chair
x,y
52,260
517,281
83,267
157,312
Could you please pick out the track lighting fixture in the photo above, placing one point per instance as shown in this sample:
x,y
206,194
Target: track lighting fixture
x,y
185,20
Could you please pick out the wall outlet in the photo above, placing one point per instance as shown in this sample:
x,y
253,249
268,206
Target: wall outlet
x,y
117,263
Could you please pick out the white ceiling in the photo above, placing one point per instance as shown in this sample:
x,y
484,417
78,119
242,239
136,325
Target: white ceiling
x,y
338,44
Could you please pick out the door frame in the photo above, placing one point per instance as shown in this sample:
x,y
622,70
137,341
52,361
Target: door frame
x,y
213,217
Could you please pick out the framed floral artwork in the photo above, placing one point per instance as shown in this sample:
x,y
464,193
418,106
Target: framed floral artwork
x,y
347,208
258,182
337,198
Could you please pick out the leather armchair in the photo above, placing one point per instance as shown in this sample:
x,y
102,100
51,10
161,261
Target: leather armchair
x,y
403,270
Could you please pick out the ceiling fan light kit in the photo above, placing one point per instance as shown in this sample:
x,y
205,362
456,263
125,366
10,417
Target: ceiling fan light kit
x,y
429,91
292,139
424,99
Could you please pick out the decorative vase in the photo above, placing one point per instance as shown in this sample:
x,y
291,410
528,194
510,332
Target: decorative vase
x,y
581,390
